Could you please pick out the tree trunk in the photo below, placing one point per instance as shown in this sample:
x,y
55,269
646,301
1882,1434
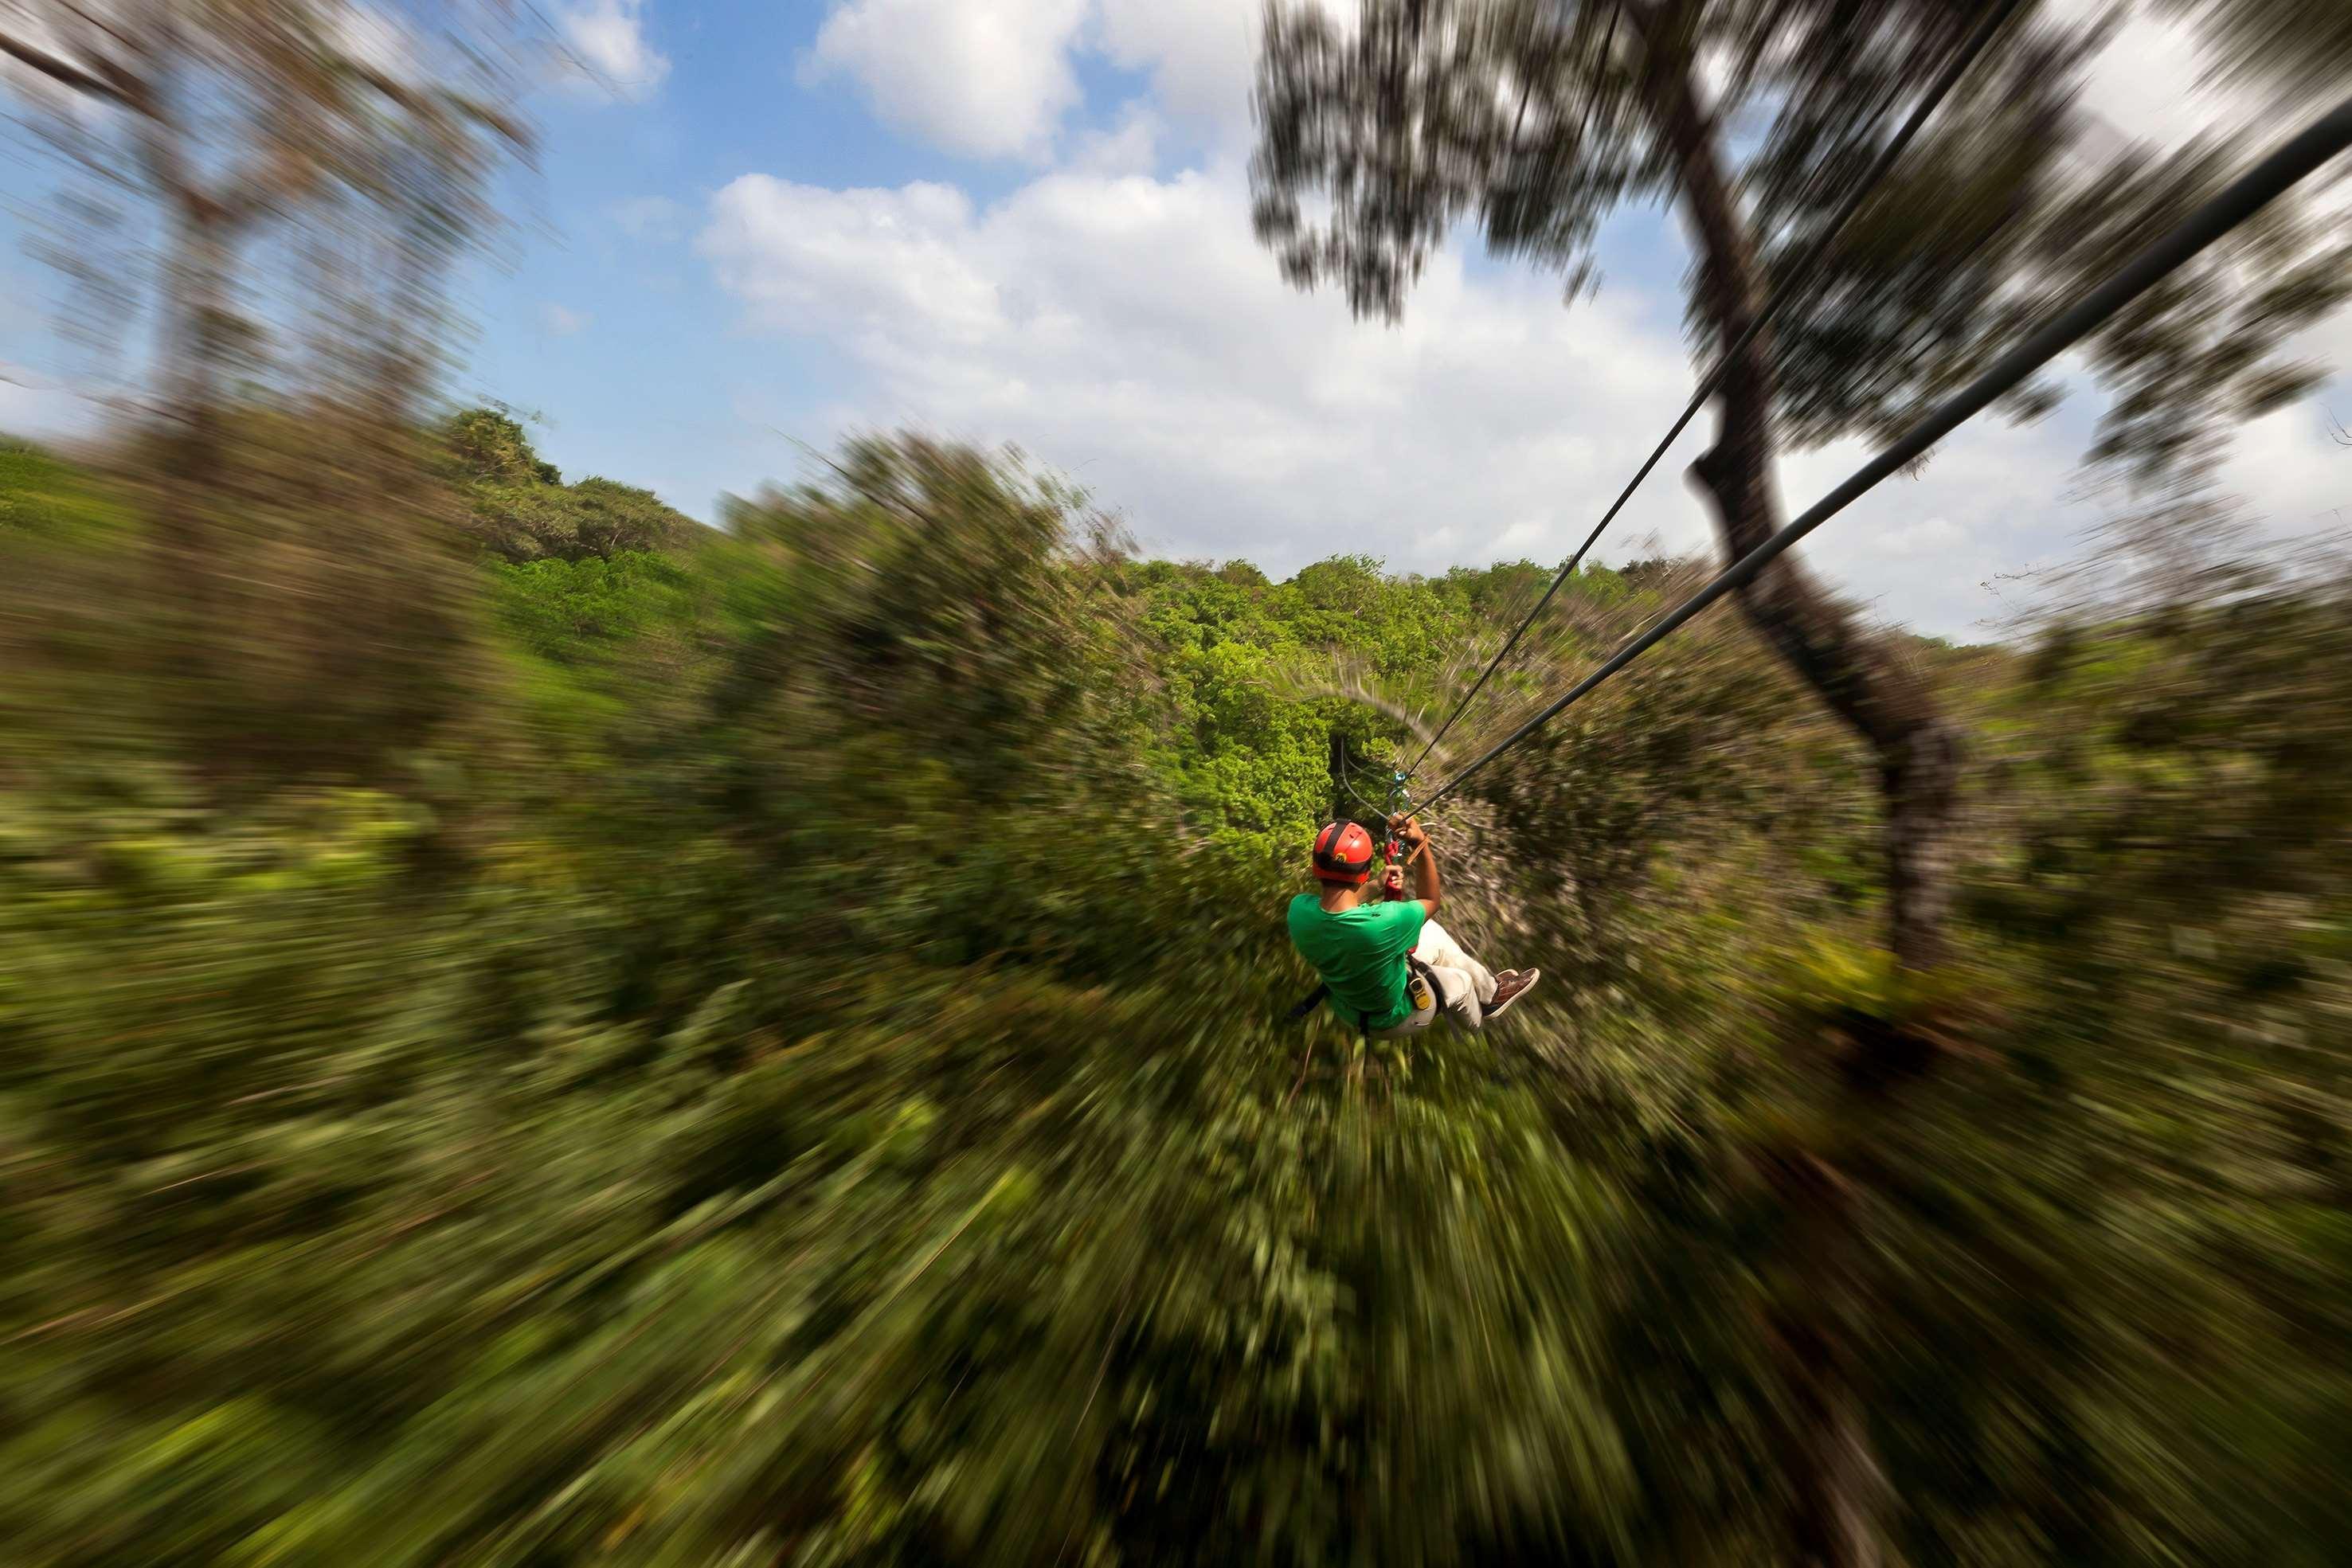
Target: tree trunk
x,y
1836,1493
187,556
1857,673
196,345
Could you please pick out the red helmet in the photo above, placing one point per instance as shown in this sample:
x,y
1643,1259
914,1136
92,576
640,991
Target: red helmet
x,y
1343,852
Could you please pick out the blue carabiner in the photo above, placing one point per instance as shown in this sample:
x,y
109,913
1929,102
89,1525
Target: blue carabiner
x,y
1399,802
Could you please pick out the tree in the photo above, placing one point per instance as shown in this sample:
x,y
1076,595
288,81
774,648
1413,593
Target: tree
x,y
522,510
318,136
489,447
235,116
1537,118
311,171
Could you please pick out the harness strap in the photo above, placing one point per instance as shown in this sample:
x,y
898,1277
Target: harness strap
x,y
1414,966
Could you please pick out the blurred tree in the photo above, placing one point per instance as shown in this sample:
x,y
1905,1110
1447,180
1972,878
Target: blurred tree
x,y
489,446
2303,46
1537,119
522,510
309,170
237,118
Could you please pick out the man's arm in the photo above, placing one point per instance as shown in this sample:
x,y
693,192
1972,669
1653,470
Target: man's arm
x,y
1422,858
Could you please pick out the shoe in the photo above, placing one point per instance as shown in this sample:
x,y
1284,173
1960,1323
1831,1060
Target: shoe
x,y
1510,986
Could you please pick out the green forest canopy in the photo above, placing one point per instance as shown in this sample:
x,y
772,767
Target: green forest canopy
x,y
775,1054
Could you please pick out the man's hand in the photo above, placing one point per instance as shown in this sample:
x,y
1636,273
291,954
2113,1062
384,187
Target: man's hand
x,y
1408,832
1392,883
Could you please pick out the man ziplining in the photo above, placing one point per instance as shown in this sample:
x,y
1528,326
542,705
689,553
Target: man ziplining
x,y
1390,968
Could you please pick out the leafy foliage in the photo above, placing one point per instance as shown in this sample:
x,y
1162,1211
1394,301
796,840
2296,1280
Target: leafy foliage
x,y
523,511
1384,132
788,1068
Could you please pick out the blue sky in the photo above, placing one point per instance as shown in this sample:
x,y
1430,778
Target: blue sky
x,y
614,331
1025,221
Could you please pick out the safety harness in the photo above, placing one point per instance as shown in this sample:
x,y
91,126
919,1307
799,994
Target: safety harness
x,y
1420,984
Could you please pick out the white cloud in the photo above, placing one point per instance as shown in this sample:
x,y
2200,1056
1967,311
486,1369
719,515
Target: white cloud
x,y
879,268
607,38
1201,53
986,77
562,322
995,79
1130,328
1131,146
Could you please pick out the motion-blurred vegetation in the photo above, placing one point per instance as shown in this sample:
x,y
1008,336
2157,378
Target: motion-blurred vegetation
x,y
534,1032
783,1062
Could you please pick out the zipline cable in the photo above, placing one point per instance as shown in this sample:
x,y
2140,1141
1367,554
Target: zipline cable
x,y
2324,139
1953,70
1348,782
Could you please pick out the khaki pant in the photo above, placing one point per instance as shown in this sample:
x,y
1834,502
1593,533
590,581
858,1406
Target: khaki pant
x,y
1462,984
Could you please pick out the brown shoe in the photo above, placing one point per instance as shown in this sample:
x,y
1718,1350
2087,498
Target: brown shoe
x,y
1510,986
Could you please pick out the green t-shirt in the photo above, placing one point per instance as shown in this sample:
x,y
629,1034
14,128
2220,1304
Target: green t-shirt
x,y
1359,953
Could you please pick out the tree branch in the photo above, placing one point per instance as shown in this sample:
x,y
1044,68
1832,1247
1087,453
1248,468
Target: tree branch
x,y
1889,705
59,69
